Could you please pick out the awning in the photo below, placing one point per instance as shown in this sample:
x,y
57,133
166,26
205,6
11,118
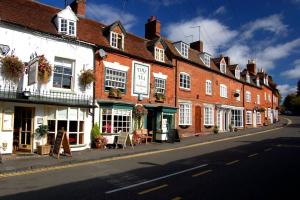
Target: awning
x,y
159,107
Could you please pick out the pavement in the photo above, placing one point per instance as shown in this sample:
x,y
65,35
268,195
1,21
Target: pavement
x,y
13,165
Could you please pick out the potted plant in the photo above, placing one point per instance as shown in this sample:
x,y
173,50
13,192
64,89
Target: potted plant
x,y
160,97
115,93
98,140
44,70
41,132
86,77
216,129
119,93
12,68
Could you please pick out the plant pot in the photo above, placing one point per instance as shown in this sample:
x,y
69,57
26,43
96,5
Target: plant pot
x,y
43,149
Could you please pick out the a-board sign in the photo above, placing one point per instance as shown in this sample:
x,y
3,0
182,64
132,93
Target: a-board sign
x,y
124,139
61,140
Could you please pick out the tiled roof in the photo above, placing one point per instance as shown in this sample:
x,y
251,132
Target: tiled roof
x,y
40,17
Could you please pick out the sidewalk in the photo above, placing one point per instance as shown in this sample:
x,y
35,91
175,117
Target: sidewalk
x,y
12,164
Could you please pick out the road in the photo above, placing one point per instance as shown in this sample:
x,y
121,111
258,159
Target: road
x,y
261,166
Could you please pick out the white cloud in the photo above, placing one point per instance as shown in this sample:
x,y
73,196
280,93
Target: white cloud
x,y
213,33
286,89
239,54
107,15
294,72
220,11
271,23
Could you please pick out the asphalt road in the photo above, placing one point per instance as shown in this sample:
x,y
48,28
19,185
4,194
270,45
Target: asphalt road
x,y
262,166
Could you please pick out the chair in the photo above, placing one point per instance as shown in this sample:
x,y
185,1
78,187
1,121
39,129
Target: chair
x,y
145,135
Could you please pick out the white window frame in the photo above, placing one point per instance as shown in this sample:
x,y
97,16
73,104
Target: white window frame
x,y
185,113
248,96
223,91
248,117
68,30
258,99
239,97
160,85
115,76
257,82
114,36
223,68
258,118
208,115
237,118
187,77
206,60
237,74
184,50
248,78
64,63
159,54
269,98
208,87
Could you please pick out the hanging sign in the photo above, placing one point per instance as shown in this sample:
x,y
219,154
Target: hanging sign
x,y
141,79
33,71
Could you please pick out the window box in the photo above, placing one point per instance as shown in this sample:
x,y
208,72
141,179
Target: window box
x,y
160,97
115,93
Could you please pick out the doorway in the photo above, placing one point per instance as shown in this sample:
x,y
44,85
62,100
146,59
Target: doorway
x,y
254,119
198,119
23,129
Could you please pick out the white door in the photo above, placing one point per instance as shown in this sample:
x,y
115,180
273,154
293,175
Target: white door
x,y
254,119
219,120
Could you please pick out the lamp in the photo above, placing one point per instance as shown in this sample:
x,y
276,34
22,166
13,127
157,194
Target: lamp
x,y
140,97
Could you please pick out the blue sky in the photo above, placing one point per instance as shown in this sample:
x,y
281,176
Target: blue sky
x,y
266,30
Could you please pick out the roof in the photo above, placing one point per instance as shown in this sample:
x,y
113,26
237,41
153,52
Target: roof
x,y
88,30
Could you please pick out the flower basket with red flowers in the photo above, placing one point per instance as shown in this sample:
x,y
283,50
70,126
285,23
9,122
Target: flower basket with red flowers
x,y
139,111
44,69
12,68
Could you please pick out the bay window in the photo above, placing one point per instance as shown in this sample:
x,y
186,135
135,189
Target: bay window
x,y
237,118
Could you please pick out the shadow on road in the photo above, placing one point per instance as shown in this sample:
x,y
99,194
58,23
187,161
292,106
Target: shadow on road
x,y
281,166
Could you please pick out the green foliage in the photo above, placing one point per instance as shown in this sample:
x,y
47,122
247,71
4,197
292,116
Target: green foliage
x,y
87,77
95,132
41,131
292,103
138,113
298,88
216,129
12,68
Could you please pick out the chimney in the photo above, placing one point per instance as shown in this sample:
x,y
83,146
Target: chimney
x,y
78,6
227,60
251,66
152,28
198,45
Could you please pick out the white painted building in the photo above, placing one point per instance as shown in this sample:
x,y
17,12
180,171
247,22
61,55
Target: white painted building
x,y
62,102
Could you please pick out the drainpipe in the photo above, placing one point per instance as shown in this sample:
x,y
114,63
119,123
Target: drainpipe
x,y
94,86
176,82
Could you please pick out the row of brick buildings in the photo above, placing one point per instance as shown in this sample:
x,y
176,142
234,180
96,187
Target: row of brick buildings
x,y
179,84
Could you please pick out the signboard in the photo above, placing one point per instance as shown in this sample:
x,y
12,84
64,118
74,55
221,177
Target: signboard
x,y
33,71
141,78
61,140
164,125
123,139
7,120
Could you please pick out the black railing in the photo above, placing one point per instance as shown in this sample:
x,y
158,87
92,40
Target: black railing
x,y
11,93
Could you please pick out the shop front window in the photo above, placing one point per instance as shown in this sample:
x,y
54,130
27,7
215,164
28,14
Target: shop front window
x,y
116,120
69,119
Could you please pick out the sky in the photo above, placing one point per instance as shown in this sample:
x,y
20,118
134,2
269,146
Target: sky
x,y
264,30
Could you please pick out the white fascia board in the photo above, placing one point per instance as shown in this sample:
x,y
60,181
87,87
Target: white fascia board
x,y
160,75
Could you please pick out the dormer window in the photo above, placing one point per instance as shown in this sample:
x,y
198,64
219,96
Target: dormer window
x,y
247,78
67,27
237,73
207,60
159,54
116,40
223,68
257,82
184,50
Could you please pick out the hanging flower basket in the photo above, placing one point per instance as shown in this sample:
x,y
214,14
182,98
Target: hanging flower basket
x,y
87,77
115,93
138,112
160,97
44,69
12,68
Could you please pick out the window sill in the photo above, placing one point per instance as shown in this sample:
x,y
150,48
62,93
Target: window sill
x,y
208,94
185,89
184,126
78,145
68,91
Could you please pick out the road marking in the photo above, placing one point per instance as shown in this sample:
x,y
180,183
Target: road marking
x,y
288,146
268,149
252,155
46,169
153,189
155,179
202,173
232,162
177,198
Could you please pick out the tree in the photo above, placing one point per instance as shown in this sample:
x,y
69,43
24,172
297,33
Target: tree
x,y
298,88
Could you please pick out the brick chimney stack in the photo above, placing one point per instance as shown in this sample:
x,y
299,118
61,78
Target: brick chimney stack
x,y
78,6
152,28
251,66
197,45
